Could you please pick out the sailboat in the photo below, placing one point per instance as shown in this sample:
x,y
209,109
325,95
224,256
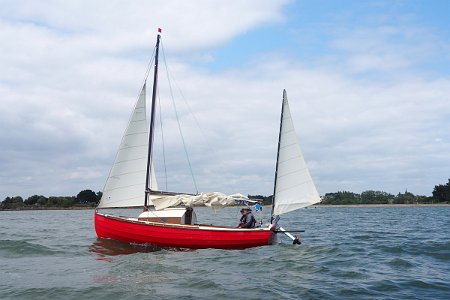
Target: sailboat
x,y
173,222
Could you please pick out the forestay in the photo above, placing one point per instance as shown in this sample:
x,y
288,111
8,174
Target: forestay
x,y
294,186
125,185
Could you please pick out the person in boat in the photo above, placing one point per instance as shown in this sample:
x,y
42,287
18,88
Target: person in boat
x,y
247,220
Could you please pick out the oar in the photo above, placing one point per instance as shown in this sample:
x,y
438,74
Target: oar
x,y
295,239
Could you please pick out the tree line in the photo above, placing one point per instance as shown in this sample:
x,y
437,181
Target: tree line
x,y
85,198
88,198
440,194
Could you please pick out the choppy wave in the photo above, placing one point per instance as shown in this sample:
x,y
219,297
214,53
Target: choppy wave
x,y
17,248
348,253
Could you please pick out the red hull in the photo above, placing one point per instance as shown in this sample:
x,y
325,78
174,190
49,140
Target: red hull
x,y
179,236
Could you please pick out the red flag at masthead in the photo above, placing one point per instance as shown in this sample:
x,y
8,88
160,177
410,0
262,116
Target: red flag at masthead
x,y
159,30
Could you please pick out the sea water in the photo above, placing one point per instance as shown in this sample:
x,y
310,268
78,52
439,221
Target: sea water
x,y
347,253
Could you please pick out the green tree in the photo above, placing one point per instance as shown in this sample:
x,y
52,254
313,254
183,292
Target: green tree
x,y
376,197
12,202
424,199
67,201
441,192
33,200
406,198
54,201
42,201
86,196
266,200
99,196
341,198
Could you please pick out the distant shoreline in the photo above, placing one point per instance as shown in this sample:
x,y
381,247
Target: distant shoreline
x,y
377,205
47,208
266,206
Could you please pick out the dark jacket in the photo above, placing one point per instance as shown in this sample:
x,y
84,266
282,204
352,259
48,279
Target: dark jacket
x,y
247,221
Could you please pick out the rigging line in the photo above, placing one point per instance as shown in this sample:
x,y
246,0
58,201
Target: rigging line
x,y
147,72
210,148
162,138
178,119
149,66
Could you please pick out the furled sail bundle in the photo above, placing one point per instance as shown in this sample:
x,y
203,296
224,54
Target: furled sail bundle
x,y
213,199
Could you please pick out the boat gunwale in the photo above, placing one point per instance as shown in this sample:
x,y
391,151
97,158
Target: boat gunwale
x,y
182,226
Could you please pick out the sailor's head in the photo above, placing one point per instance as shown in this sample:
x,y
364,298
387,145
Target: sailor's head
x,y
245,210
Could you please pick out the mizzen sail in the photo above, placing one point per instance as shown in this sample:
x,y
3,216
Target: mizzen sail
x,y
125,185
294,186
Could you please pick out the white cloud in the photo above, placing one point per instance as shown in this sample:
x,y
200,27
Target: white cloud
x,y
194,24
71,72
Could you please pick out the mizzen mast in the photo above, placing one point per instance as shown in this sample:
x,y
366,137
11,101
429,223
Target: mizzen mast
x,y
278,156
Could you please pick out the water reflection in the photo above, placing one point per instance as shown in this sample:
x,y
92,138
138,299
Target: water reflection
x,y
108,247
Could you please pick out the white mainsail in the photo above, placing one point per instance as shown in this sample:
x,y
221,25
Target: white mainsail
x,y
125,185
294,186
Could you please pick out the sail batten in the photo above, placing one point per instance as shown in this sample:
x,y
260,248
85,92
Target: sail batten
x,y
136,133
290,174
131,185
294,187
128,147
123,161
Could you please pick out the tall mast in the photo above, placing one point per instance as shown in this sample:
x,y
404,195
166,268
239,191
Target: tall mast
x,y
278,154
152,123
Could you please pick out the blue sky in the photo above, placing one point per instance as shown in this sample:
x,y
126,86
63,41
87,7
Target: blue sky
x,y
309,27
368,84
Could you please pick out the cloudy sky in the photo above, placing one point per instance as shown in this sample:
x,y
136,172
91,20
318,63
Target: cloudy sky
x,y
368,84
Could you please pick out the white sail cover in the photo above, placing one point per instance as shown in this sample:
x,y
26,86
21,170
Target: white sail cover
x,y
294,186
213,199
125,185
